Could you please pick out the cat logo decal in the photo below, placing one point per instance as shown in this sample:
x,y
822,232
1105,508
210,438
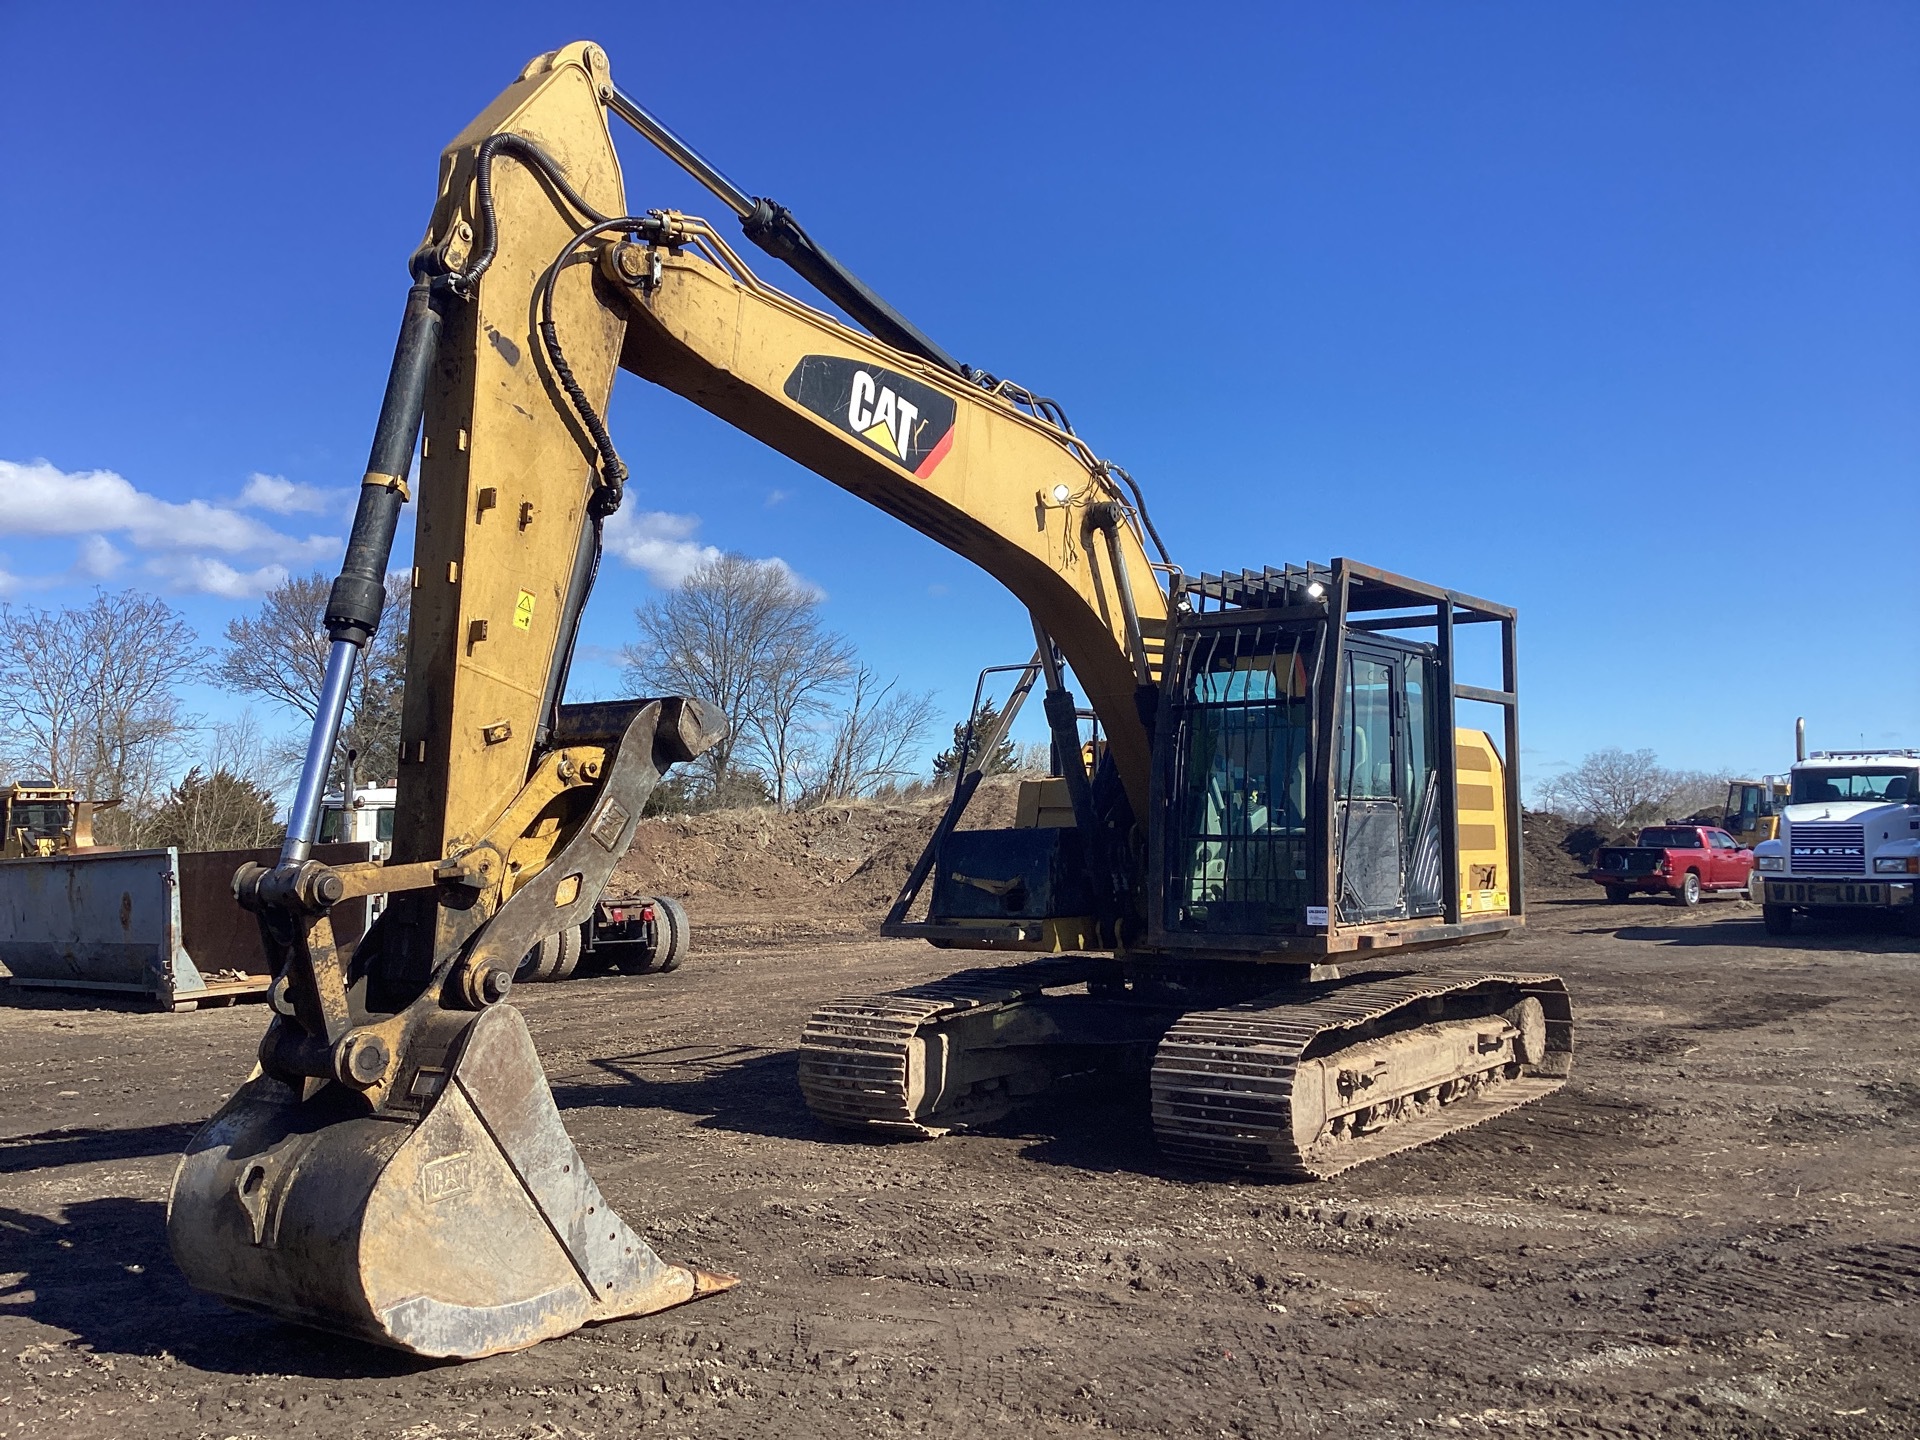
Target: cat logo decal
x,y
906,420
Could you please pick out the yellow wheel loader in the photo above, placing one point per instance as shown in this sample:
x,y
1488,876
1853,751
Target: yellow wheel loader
x,y
39,819
1281,782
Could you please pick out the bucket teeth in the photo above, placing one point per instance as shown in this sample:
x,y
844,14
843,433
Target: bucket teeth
x,y
708,1282
469,1229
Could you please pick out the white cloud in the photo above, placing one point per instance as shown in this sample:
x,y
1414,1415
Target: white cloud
x,y
98,558
44,500
192,545
207,575
659,543
288,497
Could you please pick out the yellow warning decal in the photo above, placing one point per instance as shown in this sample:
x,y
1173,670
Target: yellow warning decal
x,y
523,611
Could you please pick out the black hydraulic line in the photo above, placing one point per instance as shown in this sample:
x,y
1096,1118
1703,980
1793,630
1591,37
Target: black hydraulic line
x,y
613,470
505,142
487,242
1063,727
1140,507
360,591
772,227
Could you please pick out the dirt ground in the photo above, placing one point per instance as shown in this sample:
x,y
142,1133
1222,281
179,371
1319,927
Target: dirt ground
x,y
1711,1231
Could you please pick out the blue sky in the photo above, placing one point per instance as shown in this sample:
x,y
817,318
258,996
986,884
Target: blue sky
x,y
1608,311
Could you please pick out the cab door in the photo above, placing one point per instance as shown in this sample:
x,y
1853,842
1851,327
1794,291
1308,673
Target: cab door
x,y
1386,832
1731,864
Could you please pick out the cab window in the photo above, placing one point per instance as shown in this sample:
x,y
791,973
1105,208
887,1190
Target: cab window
x,y
1672,838
1366,736
1881,784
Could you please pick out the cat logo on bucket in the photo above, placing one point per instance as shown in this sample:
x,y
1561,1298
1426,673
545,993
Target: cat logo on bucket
x,y
909,422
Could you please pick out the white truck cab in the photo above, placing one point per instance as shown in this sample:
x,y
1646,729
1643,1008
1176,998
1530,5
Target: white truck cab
x,y
1849,838
367,816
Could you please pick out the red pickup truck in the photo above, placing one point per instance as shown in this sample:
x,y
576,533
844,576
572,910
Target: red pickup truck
x,y
1677,860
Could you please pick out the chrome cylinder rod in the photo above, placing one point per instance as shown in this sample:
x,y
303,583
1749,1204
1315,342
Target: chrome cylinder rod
x,y
678,151
304,820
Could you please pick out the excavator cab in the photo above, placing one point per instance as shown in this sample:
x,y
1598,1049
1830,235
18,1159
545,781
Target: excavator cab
x,y
1308,800
1305,801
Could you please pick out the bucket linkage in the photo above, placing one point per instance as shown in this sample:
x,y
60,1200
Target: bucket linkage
x,y
396,1168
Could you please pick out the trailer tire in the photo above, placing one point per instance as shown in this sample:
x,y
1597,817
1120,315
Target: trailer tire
x,y
675,936
569,944
1777,918
1618,894
1688,895
542,962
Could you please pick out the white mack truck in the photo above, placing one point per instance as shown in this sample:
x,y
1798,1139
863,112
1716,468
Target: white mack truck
x,y
1849,839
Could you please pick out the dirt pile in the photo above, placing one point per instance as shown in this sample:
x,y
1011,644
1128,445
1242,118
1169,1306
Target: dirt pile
x,y
851,856
1558,852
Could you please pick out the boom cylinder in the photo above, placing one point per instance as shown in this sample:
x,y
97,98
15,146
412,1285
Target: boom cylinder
x,y
678,150
360,591
772,227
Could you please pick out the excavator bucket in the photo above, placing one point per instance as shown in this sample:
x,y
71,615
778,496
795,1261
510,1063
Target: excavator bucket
x,y
455,1221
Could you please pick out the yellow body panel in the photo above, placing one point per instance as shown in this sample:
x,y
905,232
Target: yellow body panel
x,y
1484,869
1043,805
76,832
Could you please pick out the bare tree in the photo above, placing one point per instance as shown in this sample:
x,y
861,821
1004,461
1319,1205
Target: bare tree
x,y
240,747
746,636
280,654
1698,792
1034,757
1615,787
874,742
44,706
89,696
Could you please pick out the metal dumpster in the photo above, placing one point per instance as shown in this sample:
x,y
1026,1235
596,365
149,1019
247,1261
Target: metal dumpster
x,y
153,923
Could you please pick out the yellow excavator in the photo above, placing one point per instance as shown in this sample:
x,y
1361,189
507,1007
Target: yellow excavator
x,y
1280,784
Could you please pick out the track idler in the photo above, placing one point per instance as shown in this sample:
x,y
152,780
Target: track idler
x,y
457,1220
